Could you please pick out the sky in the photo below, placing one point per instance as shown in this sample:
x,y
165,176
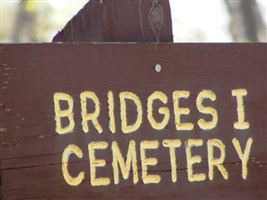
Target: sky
x,y
209,20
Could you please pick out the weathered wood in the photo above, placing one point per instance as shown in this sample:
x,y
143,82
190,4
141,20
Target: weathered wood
x,y
120,21
31,159
1,113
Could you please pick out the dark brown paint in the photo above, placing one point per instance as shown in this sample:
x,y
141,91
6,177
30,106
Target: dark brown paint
x,y
31,149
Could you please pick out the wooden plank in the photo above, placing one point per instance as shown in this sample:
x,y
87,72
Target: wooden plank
x,y
1,113
32,148
120,21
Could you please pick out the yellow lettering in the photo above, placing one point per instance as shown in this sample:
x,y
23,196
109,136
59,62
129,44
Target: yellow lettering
x,y
206,94
125,167
124,125
244,157
71,149
172,144
241,123
63,113
193,159
94,163
163,110
111,112
90,116
178,111
218,162
144,145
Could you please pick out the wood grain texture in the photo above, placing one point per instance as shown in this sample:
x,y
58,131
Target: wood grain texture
x,y
31,150
119,21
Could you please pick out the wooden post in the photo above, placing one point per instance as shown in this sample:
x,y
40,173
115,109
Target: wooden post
x,y
120,21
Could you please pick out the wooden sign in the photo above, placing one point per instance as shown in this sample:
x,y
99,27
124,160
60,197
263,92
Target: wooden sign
x,y
133,121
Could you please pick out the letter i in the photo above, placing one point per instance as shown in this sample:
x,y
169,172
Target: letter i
x,y
112,127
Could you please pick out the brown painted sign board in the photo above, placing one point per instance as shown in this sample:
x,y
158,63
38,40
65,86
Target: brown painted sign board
x,y
133,121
